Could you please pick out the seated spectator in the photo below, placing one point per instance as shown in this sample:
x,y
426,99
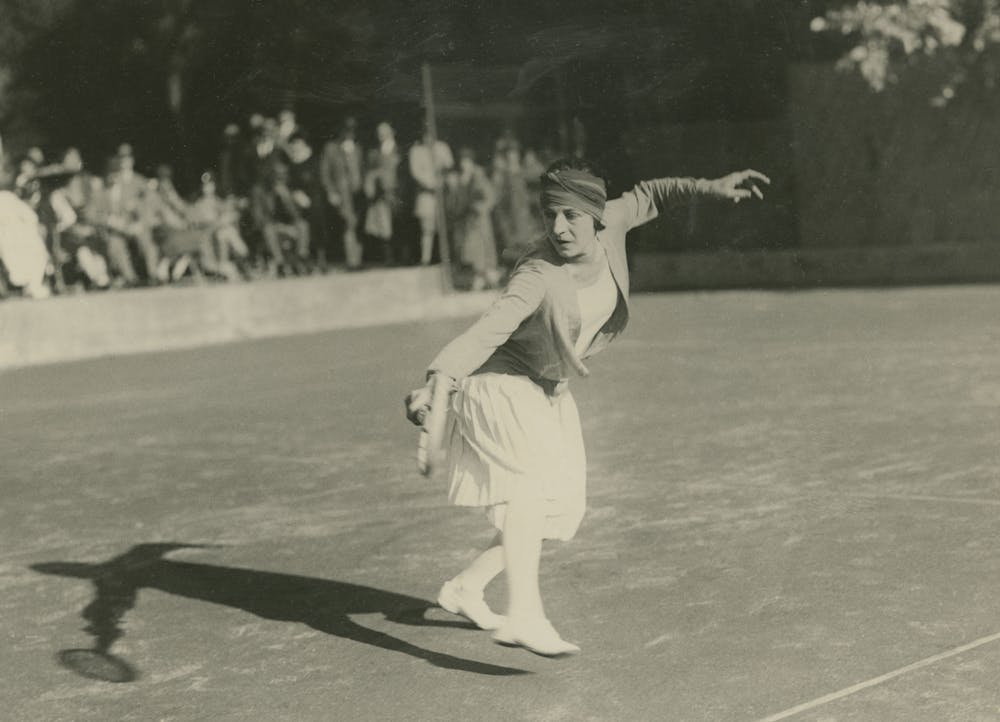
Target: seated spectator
x,y
125,218
26,184
280,223
226,254
181,246
75,246
83,192
23,255
172,210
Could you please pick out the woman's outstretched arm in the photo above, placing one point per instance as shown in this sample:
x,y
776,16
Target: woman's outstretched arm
x,y
649,197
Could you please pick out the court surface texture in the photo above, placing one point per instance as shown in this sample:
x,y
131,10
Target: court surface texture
x,y
794,513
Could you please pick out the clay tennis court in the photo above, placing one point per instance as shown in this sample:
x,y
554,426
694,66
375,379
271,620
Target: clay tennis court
x,y
794,514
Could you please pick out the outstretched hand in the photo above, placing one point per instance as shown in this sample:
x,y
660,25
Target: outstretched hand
x,y
740,185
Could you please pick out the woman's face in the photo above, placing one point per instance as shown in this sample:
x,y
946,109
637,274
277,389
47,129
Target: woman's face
x,y
570,231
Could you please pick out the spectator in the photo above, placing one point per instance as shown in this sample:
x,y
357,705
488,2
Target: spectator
x,y
126,219
532,170
232,172
26,183
287,127
472,229
142,231
516,227
256,123
75,248
22,249
97,212
260,153
340,174
285,231
171,210
83,237
382,192
181,245
218,218
426,167
307,190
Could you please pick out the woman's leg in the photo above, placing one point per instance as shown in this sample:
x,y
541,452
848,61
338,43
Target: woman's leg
x,y
522,547
484,568
526,624
464,594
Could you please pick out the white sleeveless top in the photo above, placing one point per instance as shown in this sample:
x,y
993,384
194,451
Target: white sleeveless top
x,y
597,303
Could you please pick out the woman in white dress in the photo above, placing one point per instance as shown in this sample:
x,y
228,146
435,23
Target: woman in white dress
x,y
515,446
22,250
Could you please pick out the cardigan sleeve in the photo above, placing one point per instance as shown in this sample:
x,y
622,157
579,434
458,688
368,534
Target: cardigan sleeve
x,y
649,197
470,350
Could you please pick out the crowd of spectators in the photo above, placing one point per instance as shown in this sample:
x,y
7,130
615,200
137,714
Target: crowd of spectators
x,y
273,205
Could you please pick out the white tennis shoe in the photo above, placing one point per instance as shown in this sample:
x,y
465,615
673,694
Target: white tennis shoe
x,y
471,605
535,635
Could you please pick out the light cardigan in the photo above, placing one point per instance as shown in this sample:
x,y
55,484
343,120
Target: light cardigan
x,y
532,328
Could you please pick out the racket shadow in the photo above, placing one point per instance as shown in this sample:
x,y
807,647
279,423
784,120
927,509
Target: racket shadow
x,y
323,604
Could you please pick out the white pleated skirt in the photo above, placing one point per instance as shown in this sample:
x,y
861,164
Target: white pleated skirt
x,y
508,439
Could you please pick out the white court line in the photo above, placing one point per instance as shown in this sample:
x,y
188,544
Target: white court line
x,y
847,691
924,497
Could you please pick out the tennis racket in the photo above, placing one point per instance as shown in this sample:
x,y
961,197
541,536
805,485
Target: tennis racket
x,y
430,448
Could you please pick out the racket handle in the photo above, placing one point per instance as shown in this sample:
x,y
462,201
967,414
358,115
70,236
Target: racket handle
x,y
430,448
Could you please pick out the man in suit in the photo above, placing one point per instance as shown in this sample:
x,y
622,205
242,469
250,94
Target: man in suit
x,y
340,174
126,217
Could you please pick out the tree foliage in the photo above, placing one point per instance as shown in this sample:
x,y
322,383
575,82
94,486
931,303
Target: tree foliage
x,y
960,37
171,73
168,75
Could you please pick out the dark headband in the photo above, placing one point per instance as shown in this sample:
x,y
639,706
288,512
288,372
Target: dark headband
x,y
576,189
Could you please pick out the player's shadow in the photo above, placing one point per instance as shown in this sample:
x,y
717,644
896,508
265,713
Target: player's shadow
x,y
324,605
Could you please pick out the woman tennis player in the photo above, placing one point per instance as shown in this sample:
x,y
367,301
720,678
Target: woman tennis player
x,y
514,444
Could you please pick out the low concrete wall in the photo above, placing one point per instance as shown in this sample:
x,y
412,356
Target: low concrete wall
x,y
813,268
102,324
